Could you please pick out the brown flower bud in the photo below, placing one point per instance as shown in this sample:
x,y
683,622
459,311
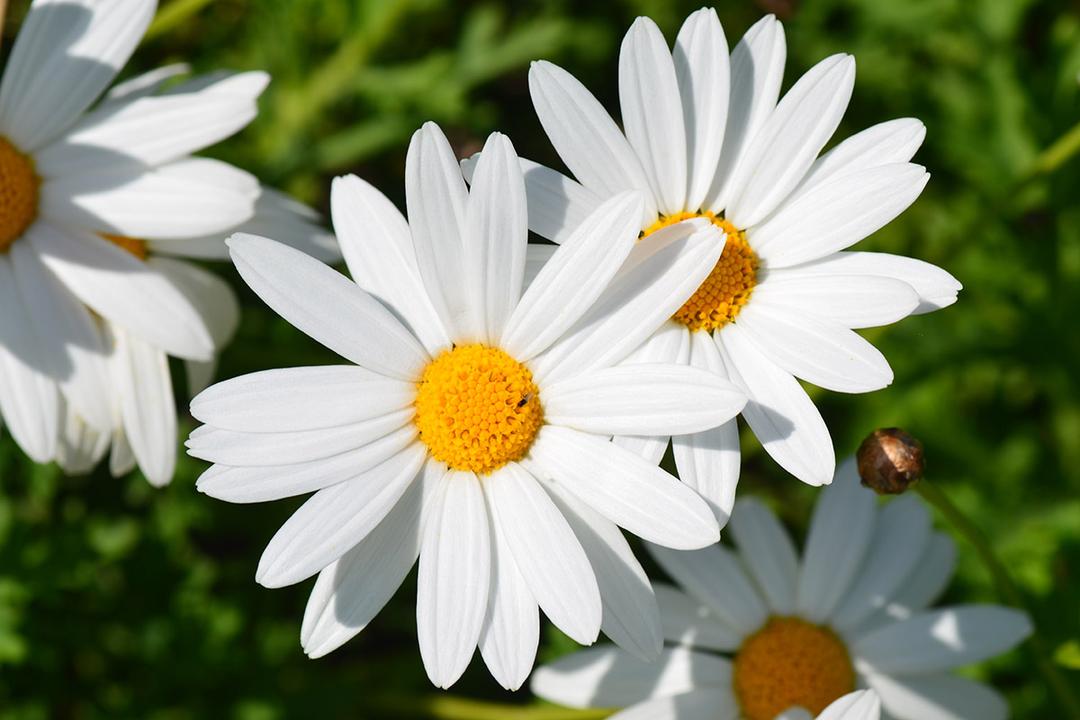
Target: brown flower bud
x,y
890,461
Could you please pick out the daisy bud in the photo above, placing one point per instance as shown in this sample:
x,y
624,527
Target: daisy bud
x,y
890,461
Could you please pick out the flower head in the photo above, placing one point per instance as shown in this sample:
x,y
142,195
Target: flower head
x,y
757,631
471,430
101,202
706,135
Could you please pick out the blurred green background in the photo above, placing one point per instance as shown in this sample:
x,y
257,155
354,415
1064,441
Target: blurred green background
x,y
120,601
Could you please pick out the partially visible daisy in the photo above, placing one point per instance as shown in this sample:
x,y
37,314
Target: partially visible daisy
x,y
144,426
705,137
758,631
471,431
96,192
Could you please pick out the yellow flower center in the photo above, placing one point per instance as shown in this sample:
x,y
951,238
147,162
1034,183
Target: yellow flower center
x,y
791,662
719,298
477,408
18,194
135,246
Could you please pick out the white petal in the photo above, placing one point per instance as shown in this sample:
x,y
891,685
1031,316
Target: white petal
x,y
936,288
791,138
186,198
923,585
941,640
631,617
65,55
840,532
378,250
818,351
654,399
293,223
121,457
496,234
546,552
606,677
854,301
71,347
652,113
557,205
352,590
436,199
144,387
326,306
577,274
837,214
148,83
303,398
124,290
153,130
80,447
938,697
626,489
29,400
511,632
859,705
259,483
657,278
714,576
768,553
757,69
211,296
585,136
701,65
693,705
536,257
894,141
670,343
901,536
230,447
779,411
335,519
708,461
687,621
455,575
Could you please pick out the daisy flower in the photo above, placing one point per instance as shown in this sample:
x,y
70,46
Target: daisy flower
x,y
705,137
99,197
756,631
144,408
471,431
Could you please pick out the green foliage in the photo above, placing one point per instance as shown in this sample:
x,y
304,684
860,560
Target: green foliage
x,y
120,601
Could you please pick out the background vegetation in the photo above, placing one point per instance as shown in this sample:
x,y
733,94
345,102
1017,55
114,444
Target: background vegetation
x,y
120,601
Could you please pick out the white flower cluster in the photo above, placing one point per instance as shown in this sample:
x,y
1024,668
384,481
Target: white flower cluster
x,y
501,408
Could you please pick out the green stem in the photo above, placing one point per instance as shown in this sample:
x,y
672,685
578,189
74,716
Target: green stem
x,y
1056,155
449,707
1005,585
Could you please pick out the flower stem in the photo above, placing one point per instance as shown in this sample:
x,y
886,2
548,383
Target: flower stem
x,y
1005,585
1056,155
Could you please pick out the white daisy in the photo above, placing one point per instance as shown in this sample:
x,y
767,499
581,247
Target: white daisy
x,y
706,137
854,612
95,196
471,432
144,406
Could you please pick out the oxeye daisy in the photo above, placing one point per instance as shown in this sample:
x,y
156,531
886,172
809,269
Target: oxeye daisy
x,y
100,199
704,136
471,431
757,630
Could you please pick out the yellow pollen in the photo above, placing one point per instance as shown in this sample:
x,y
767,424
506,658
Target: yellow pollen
x,y
477,408
791,662
723,293
135,246
18,194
